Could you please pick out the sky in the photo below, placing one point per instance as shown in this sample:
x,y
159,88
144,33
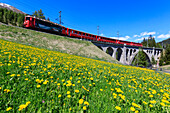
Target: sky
x,y
130,20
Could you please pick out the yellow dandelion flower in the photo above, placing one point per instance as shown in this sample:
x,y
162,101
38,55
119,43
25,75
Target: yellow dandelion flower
x,y
69,96
18,75
118,108
22,107
68,92
27,103
38,86
77,91
151,96
9,108
151,105
84,108
81,101
152,101
101,89
59,95
136,111
86,103
145,102
26,79
132,108
162,104
12,75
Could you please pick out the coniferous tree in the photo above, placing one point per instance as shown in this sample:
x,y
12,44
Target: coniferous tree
x,y
161,59
5,20
167,54
15,19
35,14
153,61
20,20
48,19
140,59
1,15
39,14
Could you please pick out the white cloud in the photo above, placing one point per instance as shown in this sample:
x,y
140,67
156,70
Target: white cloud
x,y
121,38
164,36
101,34
136,36
144,34
139,39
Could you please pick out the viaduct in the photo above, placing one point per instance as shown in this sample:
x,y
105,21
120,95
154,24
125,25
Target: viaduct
x,y
126,54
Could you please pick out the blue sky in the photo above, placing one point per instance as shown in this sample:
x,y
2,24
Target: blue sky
x,y
133,19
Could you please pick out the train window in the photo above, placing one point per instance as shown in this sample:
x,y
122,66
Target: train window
x,y
83,33
80,33
27,18
86,34
75,32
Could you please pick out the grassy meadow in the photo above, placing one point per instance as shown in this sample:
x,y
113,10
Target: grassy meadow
x,y
42,81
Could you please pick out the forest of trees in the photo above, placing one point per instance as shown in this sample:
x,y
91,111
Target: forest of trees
x,y
10,17
150,42
40,14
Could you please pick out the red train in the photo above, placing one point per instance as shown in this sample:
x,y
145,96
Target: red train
x,y
48,26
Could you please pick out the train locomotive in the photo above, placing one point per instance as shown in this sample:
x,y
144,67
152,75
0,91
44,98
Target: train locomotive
x,y
51,27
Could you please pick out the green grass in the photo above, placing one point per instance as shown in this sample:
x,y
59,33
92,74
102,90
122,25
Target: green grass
x,y
40,80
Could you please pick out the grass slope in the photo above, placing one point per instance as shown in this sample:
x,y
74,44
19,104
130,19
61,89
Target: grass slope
x,y
38,80
53,42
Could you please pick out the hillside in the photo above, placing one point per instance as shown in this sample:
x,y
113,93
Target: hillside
x,y
9,7
40,80
53,42
164,42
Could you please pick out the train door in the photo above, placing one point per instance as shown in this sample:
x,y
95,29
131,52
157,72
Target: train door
x,y
68,32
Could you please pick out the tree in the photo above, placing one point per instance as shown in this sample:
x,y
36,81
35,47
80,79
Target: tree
x,y
1,15
167,54
48,19
5,16
39,14
35,14
20,20
161,59
15,19
140,59
153,61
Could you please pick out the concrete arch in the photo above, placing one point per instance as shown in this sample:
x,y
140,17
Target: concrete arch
x,y
133,56
130,52
148,59
118,54
148,55
109,51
